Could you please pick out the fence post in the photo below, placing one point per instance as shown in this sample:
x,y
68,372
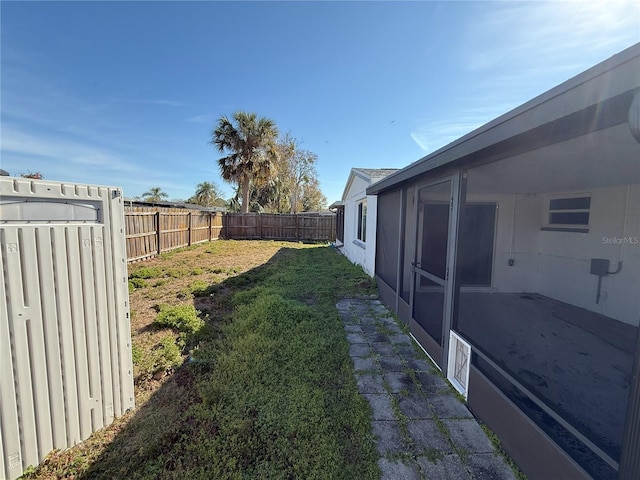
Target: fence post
x,y
259,225
189,229
210,217
159,237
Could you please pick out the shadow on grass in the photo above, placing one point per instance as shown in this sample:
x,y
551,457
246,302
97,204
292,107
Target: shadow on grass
x,y
272,394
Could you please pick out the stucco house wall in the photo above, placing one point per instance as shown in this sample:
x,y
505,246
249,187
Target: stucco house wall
x,y
557,264
361,253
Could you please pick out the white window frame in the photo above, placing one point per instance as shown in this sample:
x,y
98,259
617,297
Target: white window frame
x,y
361,220
566,227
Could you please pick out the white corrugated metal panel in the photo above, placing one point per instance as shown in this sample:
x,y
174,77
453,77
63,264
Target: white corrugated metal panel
x,y
65,337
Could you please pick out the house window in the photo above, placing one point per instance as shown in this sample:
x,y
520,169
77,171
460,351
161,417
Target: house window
x,y
569,214
362,221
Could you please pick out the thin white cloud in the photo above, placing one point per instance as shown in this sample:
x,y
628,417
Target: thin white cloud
x,y
528,36
48,129
168,103
421,137
437,134
433,133
67,159
147,101
27,144
517,50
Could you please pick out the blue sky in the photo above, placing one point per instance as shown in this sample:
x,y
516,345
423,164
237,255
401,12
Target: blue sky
x,y
126,93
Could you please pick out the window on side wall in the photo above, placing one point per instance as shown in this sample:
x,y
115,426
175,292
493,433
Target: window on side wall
x,y
362,221
569,214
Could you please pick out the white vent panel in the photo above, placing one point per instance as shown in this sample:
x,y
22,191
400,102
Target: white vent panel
x,y
459,363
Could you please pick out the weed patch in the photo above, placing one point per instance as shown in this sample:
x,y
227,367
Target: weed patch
x,y
181,318
146,273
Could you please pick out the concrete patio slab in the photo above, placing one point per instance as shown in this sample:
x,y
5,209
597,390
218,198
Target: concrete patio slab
x,y
401,338
432,435
467,435
448,406
376,337
385,317
369,328
370,383
432,383
356,338
489,466
381,406
420,365
408,352
383,348
353,328
398,470
368,320
415,407
360,350
361,363
390,441
427,437
450,467
392,363
399,382
393,327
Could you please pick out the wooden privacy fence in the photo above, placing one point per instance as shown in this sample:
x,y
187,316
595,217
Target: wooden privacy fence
x,y
314,227
153,230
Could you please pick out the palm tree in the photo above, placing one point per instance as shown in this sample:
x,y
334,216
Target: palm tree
x,y
154,194
251,147
206,194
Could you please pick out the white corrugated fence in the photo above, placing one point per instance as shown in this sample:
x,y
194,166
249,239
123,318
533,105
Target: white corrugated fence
x,y
65,337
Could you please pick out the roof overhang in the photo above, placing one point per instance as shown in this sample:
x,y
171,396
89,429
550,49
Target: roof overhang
x,y
352,175
597,99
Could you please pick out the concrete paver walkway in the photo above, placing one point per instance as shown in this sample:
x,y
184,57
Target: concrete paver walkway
x,y
423,431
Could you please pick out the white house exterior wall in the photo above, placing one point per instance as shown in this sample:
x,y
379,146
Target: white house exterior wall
x,y
360,253
370,248
557,264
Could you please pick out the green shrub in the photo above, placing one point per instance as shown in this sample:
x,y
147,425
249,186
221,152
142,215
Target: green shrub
x,y
181,318
199,288
169,355
146,272
163,357
136,283
136,354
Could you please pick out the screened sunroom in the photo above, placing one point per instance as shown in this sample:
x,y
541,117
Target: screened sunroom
x,y
513,254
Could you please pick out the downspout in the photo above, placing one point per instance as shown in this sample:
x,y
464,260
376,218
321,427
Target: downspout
x,y
513,232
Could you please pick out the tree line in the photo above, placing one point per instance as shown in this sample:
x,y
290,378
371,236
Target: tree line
x,y
271,172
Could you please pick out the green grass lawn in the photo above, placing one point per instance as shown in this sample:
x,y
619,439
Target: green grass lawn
x,y
269,390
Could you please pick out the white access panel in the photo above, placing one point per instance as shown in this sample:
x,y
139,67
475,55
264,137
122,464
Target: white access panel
x,y
65,336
